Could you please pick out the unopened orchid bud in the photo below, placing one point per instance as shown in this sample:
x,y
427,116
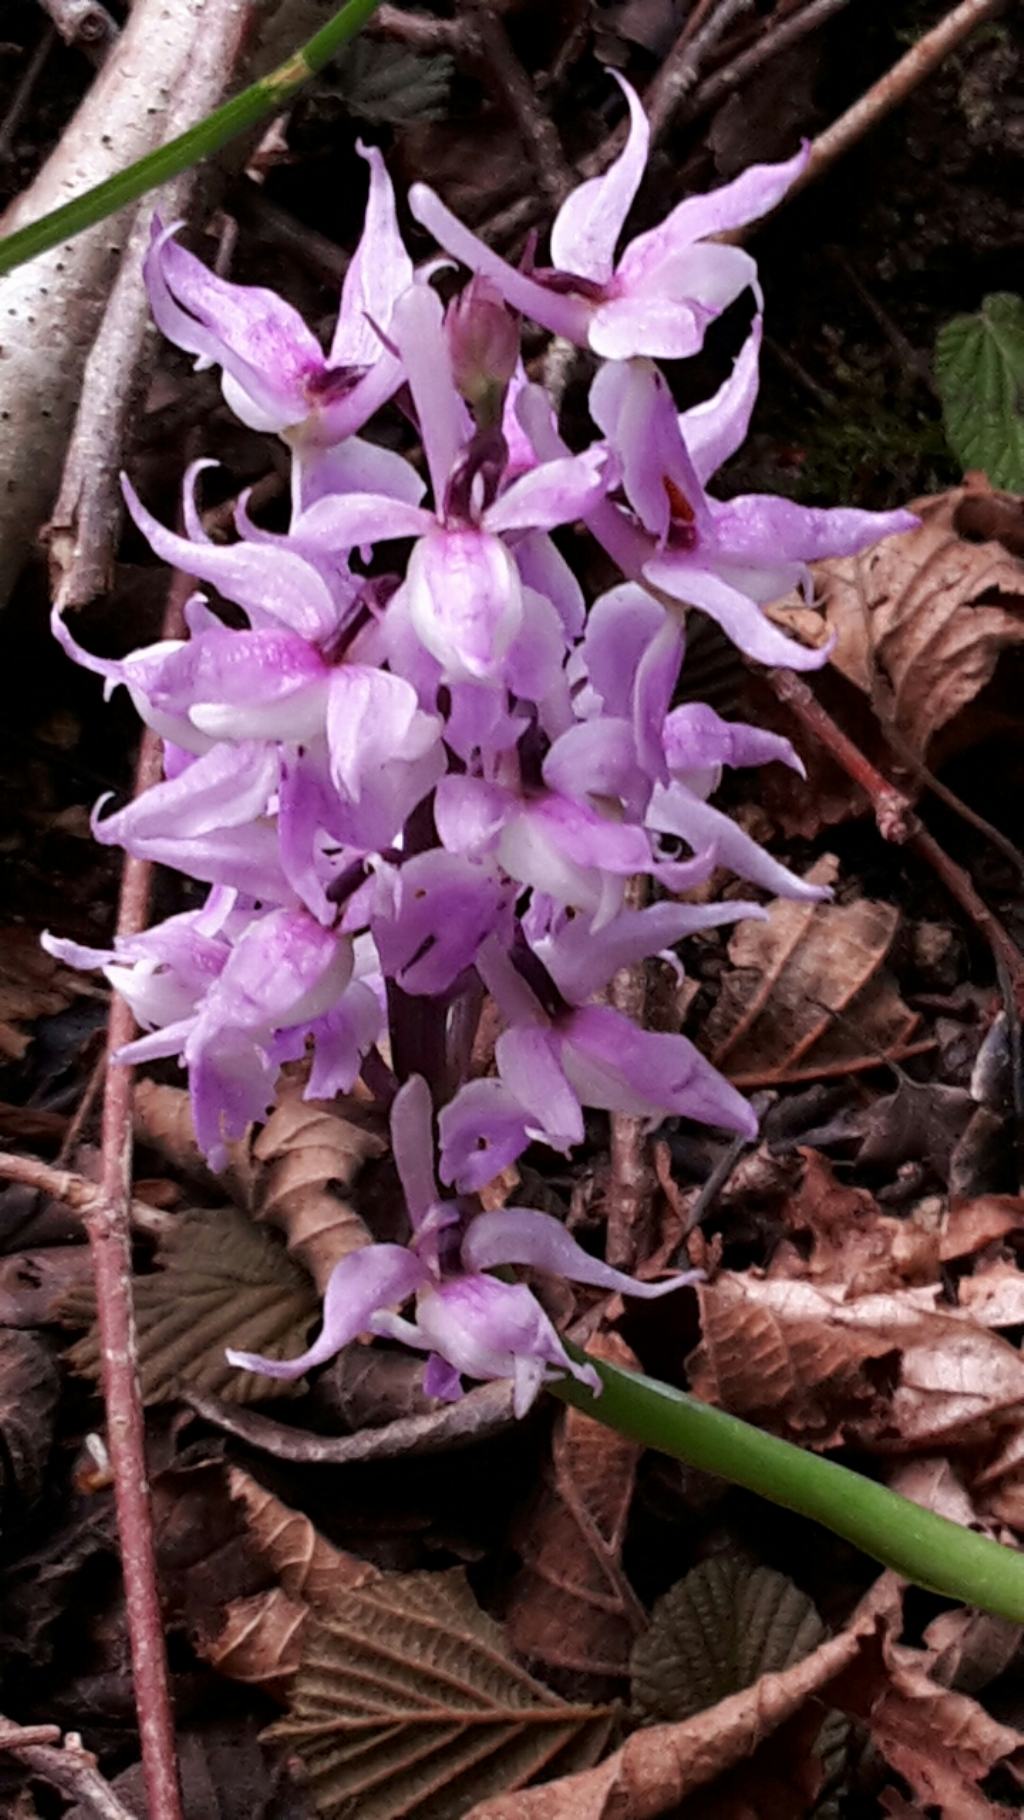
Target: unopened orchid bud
x,y
483,341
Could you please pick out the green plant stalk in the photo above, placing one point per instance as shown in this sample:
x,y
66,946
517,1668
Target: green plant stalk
x,y
922,1547
262,99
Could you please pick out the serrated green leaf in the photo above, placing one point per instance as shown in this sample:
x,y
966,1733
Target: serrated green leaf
x,y
979,366
222,1282
717,1631
408,1705
391,85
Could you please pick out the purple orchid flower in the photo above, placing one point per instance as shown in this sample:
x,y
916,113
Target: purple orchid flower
x,y
727,559
554,1060
667,285
463,593
473,1325
275,374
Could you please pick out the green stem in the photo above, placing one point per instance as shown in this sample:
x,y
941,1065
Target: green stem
x,y
922,1547
268,96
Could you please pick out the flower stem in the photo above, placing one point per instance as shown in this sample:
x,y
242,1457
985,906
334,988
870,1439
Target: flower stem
x,y
931,1551
269,96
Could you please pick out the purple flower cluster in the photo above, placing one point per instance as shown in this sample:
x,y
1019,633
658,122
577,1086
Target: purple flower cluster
x,y
425,768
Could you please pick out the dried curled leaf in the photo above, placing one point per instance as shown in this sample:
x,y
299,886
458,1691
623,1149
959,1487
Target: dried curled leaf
x,y
308,1566
571,1605
260,1640
920,620
221,1282
408,1706
660,1765
943,1743
309,1156
792,972
718,1630
808,1360
28,1400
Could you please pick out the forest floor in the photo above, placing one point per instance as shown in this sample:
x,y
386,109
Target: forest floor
x,y
864,1259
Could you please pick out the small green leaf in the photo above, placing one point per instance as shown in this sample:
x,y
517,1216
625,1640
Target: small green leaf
x,y
979,365
717,1631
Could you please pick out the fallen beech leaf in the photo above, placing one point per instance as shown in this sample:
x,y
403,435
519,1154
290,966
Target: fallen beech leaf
x,y
921,1122
259,1640
791,972
483,1411
806,1360
222,1282
717,1631
408,1706
975,1224
943,1743
28,1401
309,1156
920,620
571,1605
967,1648
659,1765
259,1637
308,1566
838,1234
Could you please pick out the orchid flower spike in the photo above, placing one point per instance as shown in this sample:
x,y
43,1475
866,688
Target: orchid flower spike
x,y
668,284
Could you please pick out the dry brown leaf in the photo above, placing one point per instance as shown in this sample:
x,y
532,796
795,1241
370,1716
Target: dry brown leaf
x,y
408,1706
222,1282
920,620
943,1743
796,1357
32,985
28,1401
259,1641
838,1234
967,1648
259,1638
571,1605
309,1156
308,1567
806,961
661,1764
975,1224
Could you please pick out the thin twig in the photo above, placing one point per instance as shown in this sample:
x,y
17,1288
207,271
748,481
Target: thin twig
x,y
487,36
23,93
76,1192
420,31
86,521
897,821
770,44
630,1173
69,1767
681,69
894,87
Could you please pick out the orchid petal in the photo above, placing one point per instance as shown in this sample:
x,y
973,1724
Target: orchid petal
x,y
616,1066
273,585
519,1235
554,494
695,737
379,271
483,1129
418,333
562,315
412,1145
527,1059
379,1276
676,810
740,618
714,430
588,225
